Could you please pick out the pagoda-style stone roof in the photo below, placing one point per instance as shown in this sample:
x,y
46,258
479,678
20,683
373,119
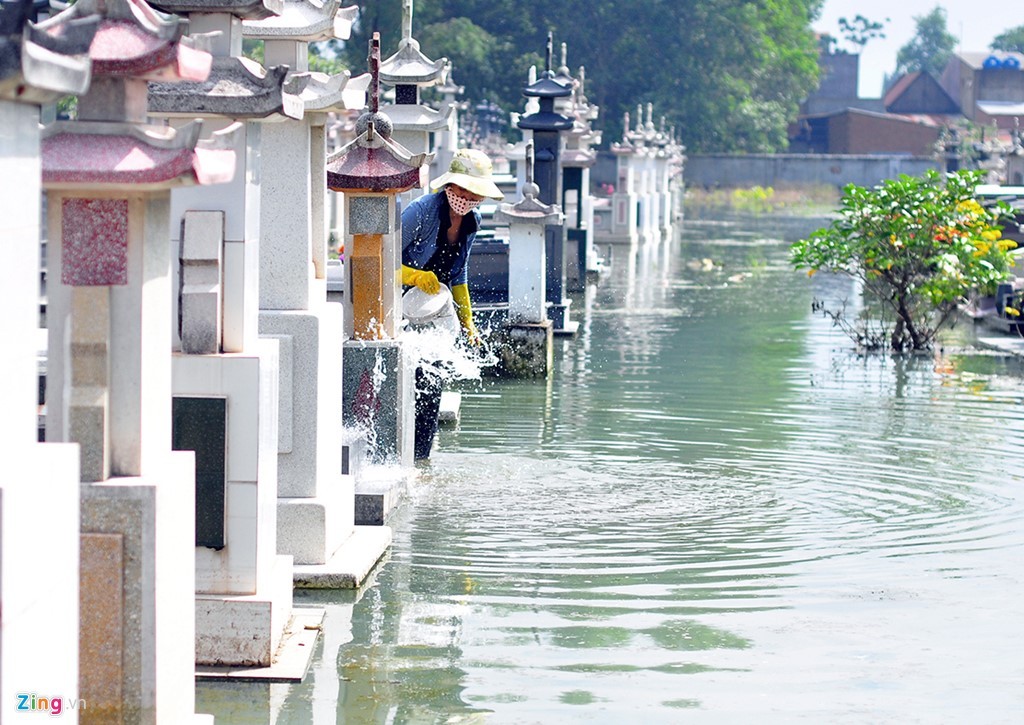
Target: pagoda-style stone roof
x,y
545,120
416,117
323,93
546,87
305,20
245,9
579,158
410,67
36,67
236,88
373,162
529,209
134,40
97,155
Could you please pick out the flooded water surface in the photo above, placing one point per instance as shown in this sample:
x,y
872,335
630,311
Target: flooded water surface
x,y
712,511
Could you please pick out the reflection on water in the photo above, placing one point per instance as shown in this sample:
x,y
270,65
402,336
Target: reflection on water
x,y
712,509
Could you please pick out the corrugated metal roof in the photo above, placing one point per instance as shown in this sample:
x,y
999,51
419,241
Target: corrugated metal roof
x,y
1002,108
977,60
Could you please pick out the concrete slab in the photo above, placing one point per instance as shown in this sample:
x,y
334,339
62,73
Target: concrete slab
x,y
352,563
292,658
568,330
379,491
1011,345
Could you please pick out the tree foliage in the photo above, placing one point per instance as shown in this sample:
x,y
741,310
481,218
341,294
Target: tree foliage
x,y
727,74
931,47
860,30
1009,40
919,246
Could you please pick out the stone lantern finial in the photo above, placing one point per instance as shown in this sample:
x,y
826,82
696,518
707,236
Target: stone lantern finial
x,y
373,121
530,189
373,60
406,20
547,54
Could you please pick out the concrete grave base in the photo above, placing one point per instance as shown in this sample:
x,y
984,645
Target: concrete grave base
x,y
245,631
379,398
290,662
379,490
351,564
312,529
525,350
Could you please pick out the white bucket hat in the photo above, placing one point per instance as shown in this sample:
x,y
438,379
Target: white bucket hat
x,y
470,169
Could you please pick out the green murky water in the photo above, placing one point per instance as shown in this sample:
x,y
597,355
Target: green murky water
x,y
713,511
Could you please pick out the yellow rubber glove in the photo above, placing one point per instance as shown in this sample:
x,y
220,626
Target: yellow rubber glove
x,y
426,281
464,309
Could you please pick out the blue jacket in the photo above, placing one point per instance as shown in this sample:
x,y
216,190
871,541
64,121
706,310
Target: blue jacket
x,y
421,221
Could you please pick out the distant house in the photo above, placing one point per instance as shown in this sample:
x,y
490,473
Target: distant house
x,y
908,120
989,87
916,93
855,131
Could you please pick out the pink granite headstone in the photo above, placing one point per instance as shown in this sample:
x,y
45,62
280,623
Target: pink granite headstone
x,y
94,249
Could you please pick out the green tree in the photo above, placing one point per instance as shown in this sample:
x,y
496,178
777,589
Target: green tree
x,y
727,74
931,47
1010,40
919,246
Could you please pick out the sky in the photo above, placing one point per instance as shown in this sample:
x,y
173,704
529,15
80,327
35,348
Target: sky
x,y
974,23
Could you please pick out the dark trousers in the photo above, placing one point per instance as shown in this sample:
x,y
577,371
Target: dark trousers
x,y
428,406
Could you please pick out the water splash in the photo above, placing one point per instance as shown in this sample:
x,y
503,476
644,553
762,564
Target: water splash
x,y
445,358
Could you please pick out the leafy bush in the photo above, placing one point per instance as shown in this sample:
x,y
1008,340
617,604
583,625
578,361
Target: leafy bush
x,y
919,245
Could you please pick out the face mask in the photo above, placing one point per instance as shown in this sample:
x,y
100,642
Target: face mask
x,y
460,205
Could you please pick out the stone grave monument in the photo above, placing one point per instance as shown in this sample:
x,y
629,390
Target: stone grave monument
x,y
109,177
316,499
409,71
372,171
526,343
224,376
546,127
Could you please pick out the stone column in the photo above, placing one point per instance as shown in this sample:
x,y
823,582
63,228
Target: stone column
x,y
39,506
